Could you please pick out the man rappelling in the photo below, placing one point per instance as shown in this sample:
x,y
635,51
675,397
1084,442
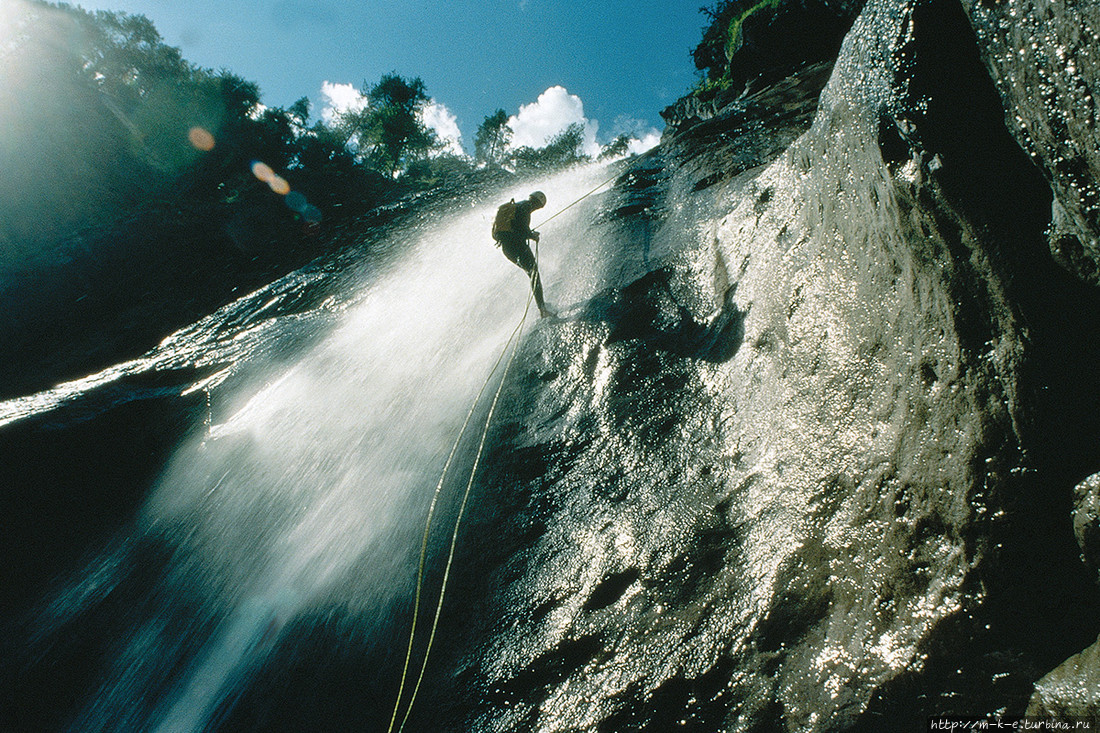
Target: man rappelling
x,y
512,230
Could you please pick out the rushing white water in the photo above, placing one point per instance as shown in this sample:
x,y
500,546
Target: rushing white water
x,y
316,482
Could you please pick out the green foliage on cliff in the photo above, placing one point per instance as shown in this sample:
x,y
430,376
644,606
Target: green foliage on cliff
x,y
723,37
733,35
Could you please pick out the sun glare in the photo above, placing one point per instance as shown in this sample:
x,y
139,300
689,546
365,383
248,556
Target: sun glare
x,y
31,36
13,15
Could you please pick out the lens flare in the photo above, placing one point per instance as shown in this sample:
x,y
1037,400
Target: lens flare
x,y
279,185
201,139
263,171
294,200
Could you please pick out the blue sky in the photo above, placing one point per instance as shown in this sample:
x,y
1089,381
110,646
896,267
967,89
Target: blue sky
x,y
624,60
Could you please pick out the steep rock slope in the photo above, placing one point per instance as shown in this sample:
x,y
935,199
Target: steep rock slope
x,y
802,458
1044,59
807,462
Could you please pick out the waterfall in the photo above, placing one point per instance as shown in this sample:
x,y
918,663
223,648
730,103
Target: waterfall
x,y
314,481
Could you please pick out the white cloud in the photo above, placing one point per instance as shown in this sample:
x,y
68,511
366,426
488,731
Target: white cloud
x,y
643,136
338,98
647,141
534,125
554,111
437,117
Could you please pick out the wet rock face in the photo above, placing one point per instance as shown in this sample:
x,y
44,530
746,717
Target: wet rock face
x,y
773,42
1045,59
1086,519
1073,689
776,475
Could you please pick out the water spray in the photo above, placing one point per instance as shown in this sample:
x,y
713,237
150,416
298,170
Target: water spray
x,y
513,344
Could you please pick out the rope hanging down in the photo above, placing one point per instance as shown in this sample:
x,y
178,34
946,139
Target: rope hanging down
x,y
465,497
458,521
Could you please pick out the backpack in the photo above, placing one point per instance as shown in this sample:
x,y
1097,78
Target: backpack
x,y
505,221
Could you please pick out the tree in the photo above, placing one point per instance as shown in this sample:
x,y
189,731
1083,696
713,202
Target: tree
x,y
126,58
299,112
493,137
389,129
616,148
564,149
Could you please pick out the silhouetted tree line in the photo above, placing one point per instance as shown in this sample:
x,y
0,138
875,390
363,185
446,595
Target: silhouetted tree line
x,y
111,119
139,191
106,122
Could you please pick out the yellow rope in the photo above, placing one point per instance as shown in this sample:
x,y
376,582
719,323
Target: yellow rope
x,y
465,497
458,520
582,198
431,514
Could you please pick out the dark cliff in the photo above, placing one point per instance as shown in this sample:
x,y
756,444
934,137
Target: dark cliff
x,y
812,453
809,461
